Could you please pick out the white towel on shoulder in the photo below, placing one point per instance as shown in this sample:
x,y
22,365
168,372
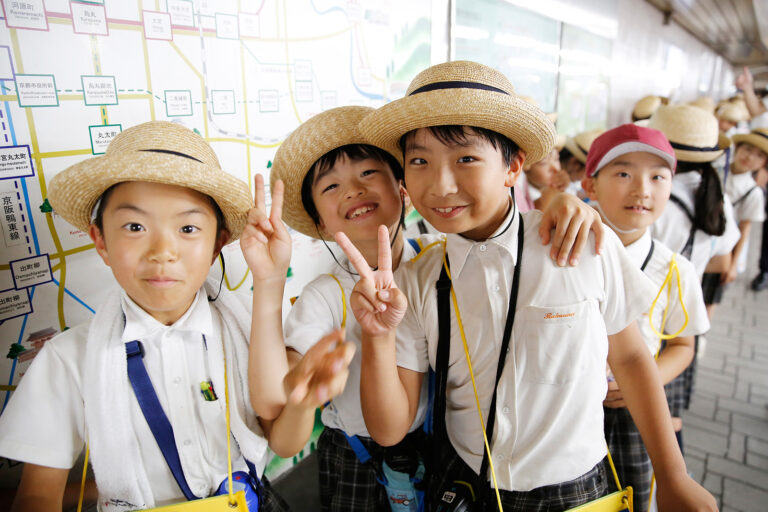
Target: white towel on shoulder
x,y
114,449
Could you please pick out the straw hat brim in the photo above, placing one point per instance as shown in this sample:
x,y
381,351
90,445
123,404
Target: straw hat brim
x,y
73,192
570,145
756,140
683,155
524,124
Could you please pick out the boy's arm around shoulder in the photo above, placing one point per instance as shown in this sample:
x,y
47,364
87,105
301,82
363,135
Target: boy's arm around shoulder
x,y
41,488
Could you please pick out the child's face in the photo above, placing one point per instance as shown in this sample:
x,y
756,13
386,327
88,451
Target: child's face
x,y
632,190
725,124
748,158
575,169
541,173
160,241
356,197
459,188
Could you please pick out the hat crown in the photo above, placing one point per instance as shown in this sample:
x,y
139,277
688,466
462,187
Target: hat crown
x,y
686,125
646,106
461,71
165,137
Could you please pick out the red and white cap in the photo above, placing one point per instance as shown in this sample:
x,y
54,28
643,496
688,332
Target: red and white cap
x,y
628,138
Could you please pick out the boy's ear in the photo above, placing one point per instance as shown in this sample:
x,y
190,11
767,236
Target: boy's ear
x,y
515,168
404,197
98,241
221,240
588,184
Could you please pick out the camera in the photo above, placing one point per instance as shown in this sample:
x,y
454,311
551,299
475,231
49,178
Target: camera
x,y
458,497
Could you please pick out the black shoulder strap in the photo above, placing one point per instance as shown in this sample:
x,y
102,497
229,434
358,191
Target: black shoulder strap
x,y
687,249
422,227
742,198
443,352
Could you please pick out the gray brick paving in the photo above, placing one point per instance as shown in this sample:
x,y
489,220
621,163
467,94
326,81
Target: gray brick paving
x,y
726,429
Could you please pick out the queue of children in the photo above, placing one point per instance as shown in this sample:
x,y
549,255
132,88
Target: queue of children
x,y
478,359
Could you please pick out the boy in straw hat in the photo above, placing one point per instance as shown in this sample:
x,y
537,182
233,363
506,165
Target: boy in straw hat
x,y
158,208
336,181
629,178
545,391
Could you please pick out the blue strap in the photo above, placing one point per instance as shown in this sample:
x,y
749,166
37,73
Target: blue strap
x,y
414,244
428,421
357,446
154,414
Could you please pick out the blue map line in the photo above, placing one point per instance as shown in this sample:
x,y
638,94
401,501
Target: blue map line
x,y
327,11
21,335
86,306
23,180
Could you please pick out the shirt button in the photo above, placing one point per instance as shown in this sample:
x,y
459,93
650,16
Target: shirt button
x,y
187,442
496,288
483,248
505,410
177,380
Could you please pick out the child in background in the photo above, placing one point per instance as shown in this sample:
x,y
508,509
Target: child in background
x,y
158,208
573,157
465,136
748,202
629,178
336,181
545,180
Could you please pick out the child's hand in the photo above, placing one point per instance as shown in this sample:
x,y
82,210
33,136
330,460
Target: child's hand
x,y
682,493
265,241
560,181
744,80
321,373
730,275
614,399
377,303
572,219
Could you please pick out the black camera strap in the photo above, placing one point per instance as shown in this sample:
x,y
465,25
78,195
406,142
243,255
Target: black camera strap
x,y
443,286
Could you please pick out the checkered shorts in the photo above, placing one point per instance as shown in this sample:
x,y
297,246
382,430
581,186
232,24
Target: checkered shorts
x,y
345,483
629,456
270,501
549,498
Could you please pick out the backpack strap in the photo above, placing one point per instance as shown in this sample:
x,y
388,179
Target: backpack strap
x,y
742,198
687,249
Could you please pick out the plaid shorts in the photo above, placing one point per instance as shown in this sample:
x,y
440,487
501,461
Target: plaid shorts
x,y
629,456
345,483
712,288
270,501
549,498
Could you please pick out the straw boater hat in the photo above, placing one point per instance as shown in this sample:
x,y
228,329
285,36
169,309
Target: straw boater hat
x,y
467,94
692,131
757,137
157,152
314,138
733,111
705,102
646,106
579,144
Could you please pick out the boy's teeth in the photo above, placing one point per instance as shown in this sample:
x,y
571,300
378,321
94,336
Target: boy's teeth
x,y
360,211
444,210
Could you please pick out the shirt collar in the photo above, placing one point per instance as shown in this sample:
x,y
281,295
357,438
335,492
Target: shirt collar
x,y
459,247
638,250
140,325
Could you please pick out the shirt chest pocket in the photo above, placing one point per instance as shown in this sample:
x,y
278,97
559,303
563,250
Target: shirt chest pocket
x,y
555,345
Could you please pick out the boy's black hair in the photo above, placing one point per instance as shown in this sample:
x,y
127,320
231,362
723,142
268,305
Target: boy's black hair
x,y
98,221
354,152
709,204
565,154
457,135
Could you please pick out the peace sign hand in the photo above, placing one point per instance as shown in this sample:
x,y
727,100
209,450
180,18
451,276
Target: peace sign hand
x,y
265,241
376,301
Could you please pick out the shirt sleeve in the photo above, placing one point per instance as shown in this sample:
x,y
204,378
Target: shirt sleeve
x,y
411,350
315,313
628,291
725,243
43,422
752,208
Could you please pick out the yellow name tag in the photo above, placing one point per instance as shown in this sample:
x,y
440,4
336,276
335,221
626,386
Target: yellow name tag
x,y
212,504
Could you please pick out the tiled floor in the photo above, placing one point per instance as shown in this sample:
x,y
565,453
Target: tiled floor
x,y
726,429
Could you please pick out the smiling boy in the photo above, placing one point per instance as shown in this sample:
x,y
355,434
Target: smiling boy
x,y
465,136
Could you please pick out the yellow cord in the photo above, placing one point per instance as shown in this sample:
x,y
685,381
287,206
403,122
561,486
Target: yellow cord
x,y
232,500
668,284
82,483
343,302
472,376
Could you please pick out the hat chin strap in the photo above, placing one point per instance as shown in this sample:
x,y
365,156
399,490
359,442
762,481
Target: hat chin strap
x,y
612,225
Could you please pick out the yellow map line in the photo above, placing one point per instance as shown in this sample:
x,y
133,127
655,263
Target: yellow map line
x,y
243,141
202,85
245,108
146,69
287,56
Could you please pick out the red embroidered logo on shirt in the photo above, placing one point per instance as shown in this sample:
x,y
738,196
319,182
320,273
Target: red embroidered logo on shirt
x,y
551,316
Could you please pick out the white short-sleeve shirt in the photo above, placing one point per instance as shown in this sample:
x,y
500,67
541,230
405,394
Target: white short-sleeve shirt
x,y
549,426
44,421
746,197
319,310
656,269
674,226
